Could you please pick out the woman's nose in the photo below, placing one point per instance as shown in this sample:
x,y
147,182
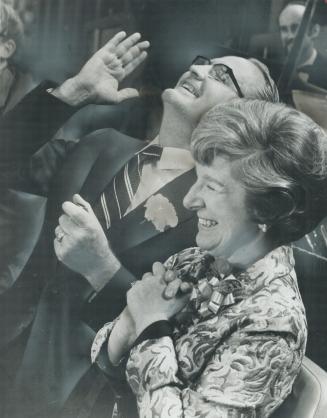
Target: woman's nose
x,y
192,200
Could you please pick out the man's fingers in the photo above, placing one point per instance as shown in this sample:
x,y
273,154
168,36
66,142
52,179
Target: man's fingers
x,y
130,67
127,93
79,201
126,44
58,249
59,233
111,60
76,213
172,288
66,224
113,42
134,52
62,245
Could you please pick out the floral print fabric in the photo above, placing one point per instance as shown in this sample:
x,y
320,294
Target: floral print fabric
x,y
240,363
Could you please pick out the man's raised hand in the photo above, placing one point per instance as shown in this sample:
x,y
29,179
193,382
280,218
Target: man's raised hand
x,y
98,80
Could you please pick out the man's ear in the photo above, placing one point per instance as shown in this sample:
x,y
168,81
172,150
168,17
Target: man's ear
x,y
315,30
8,49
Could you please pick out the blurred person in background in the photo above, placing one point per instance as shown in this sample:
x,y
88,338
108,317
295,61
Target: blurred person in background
x,y
312,63
14,83
21,213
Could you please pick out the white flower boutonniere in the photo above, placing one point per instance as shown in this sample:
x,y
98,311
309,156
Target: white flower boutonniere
x,y
161,212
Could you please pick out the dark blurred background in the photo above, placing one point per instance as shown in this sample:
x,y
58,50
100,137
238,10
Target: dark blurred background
x,y
61,34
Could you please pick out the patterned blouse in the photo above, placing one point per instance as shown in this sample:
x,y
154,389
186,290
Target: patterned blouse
x,y
240,362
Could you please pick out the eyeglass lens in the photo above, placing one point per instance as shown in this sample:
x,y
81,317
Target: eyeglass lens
x,y
219,72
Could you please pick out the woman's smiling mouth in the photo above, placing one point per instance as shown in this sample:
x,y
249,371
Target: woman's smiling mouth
x,y
207,223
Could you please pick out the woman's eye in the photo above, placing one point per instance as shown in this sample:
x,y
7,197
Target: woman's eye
x,y
211,188
215,188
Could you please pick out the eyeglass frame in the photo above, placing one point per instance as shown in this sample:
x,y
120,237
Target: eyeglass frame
x,y
229,71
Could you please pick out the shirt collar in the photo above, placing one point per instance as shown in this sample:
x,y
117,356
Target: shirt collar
x,y
310,60
173,158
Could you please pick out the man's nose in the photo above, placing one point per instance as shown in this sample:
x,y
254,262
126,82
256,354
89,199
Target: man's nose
x,y
192,200
290,35
199,71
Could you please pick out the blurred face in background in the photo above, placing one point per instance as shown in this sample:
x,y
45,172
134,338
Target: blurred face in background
x,y
7,45
289,23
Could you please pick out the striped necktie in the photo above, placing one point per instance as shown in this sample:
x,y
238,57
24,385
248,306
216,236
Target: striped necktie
x,y
116,198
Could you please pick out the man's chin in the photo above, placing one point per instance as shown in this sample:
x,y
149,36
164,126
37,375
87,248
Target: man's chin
x,y
176,99
288,49
173,95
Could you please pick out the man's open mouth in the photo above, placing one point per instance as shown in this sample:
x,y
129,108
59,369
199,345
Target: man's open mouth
x,y
191,88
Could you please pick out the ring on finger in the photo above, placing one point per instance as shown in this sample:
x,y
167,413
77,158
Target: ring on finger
x,y
60,236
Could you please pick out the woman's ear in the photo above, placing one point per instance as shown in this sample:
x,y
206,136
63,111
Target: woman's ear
x,y
7,49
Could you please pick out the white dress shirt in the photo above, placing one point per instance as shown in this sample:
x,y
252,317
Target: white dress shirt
x,y
173,163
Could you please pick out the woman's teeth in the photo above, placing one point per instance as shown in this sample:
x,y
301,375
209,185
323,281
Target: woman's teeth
x,y
207,222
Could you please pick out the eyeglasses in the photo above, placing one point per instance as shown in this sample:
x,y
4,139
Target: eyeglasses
x,y
219,72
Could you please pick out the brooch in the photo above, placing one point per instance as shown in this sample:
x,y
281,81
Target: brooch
x,y
215,285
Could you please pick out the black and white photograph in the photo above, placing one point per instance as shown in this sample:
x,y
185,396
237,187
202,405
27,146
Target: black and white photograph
x,y
163,208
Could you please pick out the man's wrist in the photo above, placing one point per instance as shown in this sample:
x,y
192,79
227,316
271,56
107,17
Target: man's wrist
x,y
101,275
73,93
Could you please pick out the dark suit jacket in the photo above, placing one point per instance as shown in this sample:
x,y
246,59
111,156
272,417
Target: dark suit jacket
x,y
58,349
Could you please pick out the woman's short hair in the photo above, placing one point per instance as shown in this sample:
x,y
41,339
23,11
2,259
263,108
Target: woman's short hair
x,y
280,158
11,26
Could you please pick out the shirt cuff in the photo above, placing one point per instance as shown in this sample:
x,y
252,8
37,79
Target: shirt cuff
x,y
154,331
102,280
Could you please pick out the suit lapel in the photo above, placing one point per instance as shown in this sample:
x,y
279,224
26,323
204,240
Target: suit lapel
x,y
136,227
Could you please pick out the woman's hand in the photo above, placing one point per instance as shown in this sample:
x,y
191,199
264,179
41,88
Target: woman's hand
x,y
152,299
122,337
